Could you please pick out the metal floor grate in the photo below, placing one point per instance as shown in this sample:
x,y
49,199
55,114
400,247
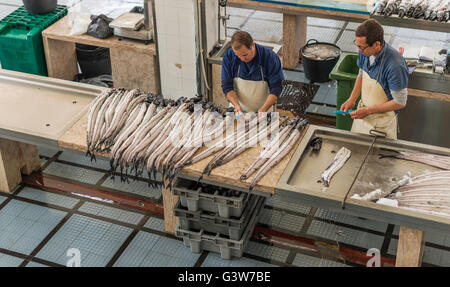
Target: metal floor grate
x,y
214,260
73,173
351,220
303,260
268,252
345,235
46,197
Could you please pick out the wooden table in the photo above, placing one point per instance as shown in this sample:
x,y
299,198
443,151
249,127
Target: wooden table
x,y
229,173
15,158
410,244
133,64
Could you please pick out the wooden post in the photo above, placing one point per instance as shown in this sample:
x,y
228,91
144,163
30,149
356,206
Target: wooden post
x,y
219,98
169,201
410,247
61,59
294,37
16,158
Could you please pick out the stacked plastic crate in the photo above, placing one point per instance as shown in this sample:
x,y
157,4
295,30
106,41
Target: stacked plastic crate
x,y
21,47
214,218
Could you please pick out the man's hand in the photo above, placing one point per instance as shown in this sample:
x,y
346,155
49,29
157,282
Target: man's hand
x,y
261,112
270,101
360,113
347,105
238,111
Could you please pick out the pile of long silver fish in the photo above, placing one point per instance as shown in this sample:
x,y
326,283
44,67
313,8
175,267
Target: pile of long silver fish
x,y
439,161
275,150
146,132
280,142
434,10
427,193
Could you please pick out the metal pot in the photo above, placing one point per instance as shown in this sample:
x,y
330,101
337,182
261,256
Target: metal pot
x,y
317,70
39,6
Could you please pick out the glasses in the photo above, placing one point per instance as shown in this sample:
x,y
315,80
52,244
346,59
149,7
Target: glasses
x,y
359,47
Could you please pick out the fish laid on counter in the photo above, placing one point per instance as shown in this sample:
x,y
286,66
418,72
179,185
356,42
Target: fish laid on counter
x,y
270,149
412,8
427,193
433,6
443,12
338,162
439,161
426,9
281,152
391,7
379,7
243,143
144,132
404,7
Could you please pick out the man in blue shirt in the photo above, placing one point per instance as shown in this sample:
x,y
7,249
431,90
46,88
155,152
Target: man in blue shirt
x,y
382,82
251,75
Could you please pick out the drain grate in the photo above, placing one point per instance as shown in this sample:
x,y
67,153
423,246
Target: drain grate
x,y
296,96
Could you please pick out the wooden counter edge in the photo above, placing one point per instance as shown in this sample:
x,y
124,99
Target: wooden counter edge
x,y
297,10
60,31
429,95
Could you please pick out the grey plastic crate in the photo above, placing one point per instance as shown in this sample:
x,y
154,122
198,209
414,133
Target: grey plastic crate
x,y
195,199
212,222
199,240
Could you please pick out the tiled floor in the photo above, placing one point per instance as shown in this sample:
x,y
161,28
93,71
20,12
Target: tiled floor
x,y
39,227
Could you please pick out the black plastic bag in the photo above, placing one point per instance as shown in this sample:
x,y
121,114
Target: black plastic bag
x,y
99,27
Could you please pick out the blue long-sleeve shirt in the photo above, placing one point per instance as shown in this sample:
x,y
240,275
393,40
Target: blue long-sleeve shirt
x,y
265,57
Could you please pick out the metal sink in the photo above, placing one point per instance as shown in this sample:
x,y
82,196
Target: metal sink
x,y
301,178
38,110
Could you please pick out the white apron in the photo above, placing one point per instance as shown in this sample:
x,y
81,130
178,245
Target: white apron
x,y
251,94
372,94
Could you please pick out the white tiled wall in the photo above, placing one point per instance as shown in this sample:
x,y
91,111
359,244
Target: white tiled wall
x,y
176,26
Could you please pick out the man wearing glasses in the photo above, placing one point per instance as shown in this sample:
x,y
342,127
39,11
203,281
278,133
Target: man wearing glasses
x,y
382,82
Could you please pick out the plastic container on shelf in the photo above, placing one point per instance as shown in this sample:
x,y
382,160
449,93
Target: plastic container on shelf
x,y
94,61
21,47
345,73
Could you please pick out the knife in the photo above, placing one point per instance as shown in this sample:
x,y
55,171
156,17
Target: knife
x,y
342,112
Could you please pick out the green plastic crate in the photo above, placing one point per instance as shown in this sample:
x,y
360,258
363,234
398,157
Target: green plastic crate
x,y
21,47
345,73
